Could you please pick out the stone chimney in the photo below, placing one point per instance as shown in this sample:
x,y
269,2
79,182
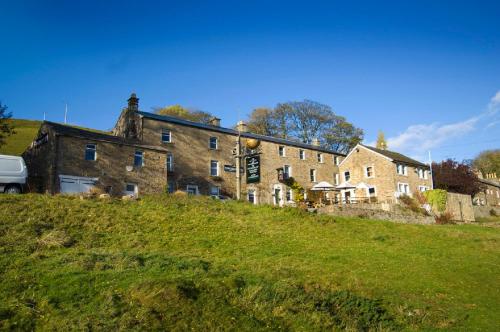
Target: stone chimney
x,y
315,142
133,103
215,122
241,127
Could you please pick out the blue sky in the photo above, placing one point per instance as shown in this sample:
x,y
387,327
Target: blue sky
x,y
424,72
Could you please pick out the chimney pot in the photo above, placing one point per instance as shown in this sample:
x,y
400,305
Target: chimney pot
x,y
215,121
242,127
133,102
315,142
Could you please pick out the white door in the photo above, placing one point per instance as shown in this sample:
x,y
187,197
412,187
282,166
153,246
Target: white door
x,y
278,195
76,184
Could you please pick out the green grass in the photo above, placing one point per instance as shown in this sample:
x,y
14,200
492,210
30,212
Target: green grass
x,y
179,263
26,131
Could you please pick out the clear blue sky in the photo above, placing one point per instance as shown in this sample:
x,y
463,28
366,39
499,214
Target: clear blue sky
x,y
424,72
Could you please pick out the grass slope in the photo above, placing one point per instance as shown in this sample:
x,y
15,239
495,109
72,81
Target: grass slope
x,y
181,263
26,131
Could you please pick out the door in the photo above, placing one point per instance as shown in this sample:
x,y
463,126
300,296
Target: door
x,y
278,195
347,196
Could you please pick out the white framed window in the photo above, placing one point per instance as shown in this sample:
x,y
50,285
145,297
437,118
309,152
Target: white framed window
x,y
336,178
347,176
422,173
214,190
281,151
320,157
312,175
192,189
213,142
287,170
402,169
372,191
289,195
139,158
369,172
252,196
131,189
423,188
302,154
170,162
336,160
91,152
403,188
166,136
214,168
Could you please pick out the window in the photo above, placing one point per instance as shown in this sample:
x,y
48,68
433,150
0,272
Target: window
x,y
214,190
281,151
90,152
371,191
423,188
214,168
251,196
213,143
369,171
320,157
192,189
336,160
131,189
170,162
166,136
289,194
402,169
287,171
347,176
138,159
336,178
171,187
312,175
302,154
404,188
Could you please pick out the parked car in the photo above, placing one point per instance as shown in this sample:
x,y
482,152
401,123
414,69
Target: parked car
x,y
13,174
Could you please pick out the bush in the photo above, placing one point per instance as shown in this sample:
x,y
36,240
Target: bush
x,y
421,199
437,198
444,218
412,204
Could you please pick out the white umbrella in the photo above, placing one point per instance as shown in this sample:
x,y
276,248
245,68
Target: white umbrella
x,y
345,185
363,185
323,186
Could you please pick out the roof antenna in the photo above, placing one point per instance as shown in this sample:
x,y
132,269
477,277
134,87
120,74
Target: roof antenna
x,y
65,113
43,116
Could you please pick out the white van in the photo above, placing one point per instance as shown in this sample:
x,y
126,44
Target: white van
x,y
13,174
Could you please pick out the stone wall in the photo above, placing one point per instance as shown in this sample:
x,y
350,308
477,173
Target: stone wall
x,y
460,207
484,211
384,211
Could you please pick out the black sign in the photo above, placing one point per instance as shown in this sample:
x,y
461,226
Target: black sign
x,y
253,169
232,168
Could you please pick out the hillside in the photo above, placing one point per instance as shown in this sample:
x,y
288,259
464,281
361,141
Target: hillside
x,y
26,131
179,263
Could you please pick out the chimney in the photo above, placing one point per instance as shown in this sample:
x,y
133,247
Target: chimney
x,y
241,127
215,122
315,142
133,103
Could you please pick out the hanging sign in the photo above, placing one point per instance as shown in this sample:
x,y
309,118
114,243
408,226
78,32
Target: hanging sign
x,y
253,169
232,169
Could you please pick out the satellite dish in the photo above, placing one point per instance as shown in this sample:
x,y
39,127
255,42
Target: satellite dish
x,y
252,143
129,168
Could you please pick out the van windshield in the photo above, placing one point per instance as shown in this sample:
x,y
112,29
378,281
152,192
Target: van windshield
x,y
10,165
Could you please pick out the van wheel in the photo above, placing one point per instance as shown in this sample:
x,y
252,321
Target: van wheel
x,y
12,190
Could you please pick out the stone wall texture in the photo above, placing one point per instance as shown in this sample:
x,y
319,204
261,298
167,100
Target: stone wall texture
x,y
484,211
460,207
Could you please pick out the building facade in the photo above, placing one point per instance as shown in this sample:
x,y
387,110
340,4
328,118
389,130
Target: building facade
x,y
368,173
176,155
490,194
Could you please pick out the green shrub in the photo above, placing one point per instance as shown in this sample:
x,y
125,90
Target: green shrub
x,y
437,198
412,204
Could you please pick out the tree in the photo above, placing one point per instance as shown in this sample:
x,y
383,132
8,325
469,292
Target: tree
x,y
488,162
6,128
178,111
381,142
305,121
455,177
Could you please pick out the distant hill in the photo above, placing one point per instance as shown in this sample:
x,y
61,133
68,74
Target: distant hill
x,y
25,130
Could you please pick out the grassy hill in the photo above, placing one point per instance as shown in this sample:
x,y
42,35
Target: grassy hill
x,y
180,263
26,131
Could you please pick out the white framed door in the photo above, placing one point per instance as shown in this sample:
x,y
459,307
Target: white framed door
x,y
76,184
278,195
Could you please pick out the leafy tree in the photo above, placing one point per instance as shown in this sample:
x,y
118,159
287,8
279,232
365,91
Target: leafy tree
x,y
381,141
305,121
178,111
488,162
456,177
6,128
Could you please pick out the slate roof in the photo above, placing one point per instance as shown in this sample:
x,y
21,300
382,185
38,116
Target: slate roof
x,y
72,131
398,157
229,131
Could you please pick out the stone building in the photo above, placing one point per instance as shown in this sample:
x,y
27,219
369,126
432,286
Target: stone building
x,y
490,195
368,173
177,155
